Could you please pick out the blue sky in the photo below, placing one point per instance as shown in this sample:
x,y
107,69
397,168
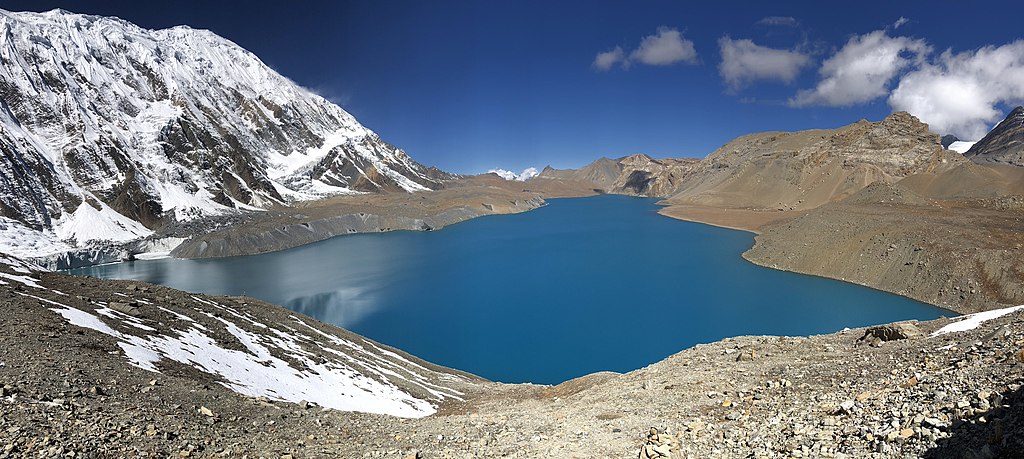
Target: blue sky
x,y
472,85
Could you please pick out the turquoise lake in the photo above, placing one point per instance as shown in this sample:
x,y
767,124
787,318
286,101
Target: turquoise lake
x,y
579,286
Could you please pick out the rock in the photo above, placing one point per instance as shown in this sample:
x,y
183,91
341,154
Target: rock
x,y
746,356
124,308
892,332
207,412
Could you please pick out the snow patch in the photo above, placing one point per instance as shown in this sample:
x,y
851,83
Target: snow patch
x,y
960,146
84,319
87,224
972,321
263,368
160,248
526,174
26,280
17,265
21,241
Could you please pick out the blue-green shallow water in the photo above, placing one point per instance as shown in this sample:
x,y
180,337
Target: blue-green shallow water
x,y
579,286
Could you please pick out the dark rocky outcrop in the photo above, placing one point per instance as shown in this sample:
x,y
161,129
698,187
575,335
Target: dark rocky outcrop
x,y
948,140
1004,144
892,332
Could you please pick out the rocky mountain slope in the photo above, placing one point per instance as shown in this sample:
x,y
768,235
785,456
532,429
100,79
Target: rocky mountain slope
x,y
1004,144
778,170
638,175
962,254
98,368
935,228
109,131
601,173
803,170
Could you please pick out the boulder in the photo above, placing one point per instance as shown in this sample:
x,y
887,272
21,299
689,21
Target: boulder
x,y
892,332
124,308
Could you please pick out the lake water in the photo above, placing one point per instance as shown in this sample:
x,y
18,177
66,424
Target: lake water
x,y
581,285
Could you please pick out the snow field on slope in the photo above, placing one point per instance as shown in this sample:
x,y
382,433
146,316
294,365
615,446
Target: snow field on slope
x,y
289,364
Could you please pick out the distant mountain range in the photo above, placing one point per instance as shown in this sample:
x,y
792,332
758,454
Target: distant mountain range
x,y
638,175
778,170
109,131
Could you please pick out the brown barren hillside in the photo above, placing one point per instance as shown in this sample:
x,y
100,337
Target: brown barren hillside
x,y
880,204
637,175
803,170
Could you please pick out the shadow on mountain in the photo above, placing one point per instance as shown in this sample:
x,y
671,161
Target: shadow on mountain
x,y
995,434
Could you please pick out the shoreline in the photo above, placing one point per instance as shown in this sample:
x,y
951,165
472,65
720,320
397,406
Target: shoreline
x,y
696,219
758,389
735,219
266,236
918,252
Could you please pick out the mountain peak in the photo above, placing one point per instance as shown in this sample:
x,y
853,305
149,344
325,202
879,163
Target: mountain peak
x,y
157,126
903,118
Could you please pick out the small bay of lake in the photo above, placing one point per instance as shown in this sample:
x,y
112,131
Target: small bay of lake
x,y
579,286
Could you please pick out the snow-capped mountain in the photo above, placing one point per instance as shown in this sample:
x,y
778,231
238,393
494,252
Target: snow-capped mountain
x,y
109,130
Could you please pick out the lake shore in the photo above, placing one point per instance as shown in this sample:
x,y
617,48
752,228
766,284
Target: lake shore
x,y
314,221
923,393
964,269
821,243
958,255
737,219
575,257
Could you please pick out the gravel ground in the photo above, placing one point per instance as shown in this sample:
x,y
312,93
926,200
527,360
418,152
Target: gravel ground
x,y
68,391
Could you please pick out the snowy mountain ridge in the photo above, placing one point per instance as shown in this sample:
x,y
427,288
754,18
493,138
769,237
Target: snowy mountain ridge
x,y
108,131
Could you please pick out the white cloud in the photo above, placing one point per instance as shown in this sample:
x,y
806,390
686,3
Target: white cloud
x,y
960,93
743,61
606,60
527,174
899,22
861,71
665,48
779,21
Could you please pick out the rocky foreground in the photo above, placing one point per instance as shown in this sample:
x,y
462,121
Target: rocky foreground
x,y
78,388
